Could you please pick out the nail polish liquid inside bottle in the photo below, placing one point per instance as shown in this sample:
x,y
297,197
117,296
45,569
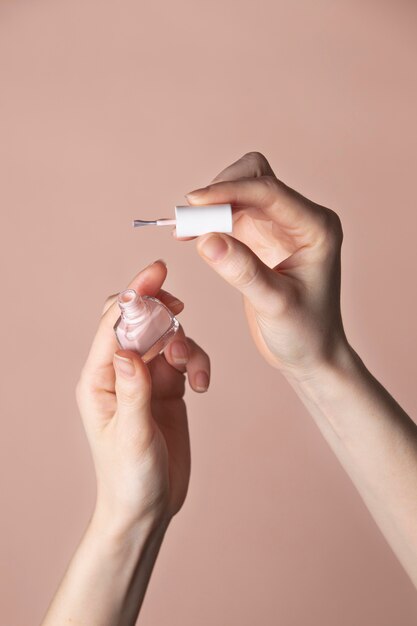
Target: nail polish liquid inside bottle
x,y
145,325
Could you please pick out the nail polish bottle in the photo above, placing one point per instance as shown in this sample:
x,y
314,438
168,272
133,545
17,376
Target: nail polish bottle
x,y
145,325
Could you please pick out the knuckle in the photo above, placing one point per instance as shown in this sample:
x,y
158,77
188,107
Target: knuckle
x,y
245,273
193,344
332,229
133,395
270,184
89,382
337,226
130,398
258,160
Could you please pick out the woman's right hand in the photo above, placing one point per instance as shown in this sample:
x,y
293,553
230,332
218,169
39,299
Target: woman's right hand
x,y
284,257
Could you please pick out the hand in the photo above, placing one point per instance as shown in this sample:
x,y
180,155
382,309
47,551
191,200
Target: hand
x,y
284,257
135,416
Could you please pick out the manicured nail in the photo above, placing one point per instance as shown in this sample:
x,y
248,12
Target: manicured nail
x,y
214,248
196,192
201,381
124,366
179,352
153,263
169,299
176,303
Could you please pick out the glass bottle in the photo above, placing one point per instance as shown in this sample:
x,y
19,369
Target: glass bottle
x,y
145,325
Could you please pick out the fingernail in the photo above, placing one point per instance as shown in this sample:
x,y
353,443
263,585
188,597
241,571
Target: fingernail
x,y
214,248
201,381
179,352
176,303
153,263
124,366
196,192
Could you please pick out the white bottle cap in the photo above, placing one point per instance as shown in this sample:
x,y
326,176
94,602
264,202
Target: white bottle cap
x,y
197,220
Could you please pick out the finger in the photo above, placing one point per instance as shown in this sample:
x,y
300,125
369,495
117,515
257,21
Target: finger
x,y
294,214
250,165
149,282
143,282
172,302
240,267
133,393
198,367
186,355
177,353
167,381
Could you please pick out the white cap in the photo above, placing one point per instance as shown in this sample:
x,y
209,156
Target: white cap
x,y
197,220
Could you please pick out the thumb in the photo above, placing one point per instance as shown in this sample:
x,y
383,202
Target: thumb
x,y
240,267
133,388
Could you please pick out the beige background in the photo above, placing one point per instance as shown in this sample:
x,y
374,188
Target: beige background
x,y
111,110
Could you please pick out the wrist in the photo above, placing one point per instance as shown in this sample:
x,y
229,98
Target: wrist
x,y
328,388
342,362
117,529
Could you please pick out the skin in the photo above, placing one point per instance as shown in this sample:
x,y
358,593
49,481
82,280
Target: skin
x,y
135,419
284,257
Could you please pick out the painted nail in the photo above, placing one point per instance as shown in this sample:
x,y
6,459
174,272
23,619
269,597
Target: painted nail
x,y
124,366
157,261
153,263
196,192
201,381
169,299
179,352
176,303
214,248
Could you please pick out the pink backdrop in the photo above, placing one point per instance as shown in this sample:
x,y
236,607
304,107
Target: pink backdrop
x,y
111,110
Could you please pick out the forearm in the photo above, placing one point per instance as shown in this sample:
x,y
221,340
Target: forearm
x,y
107,578
375,441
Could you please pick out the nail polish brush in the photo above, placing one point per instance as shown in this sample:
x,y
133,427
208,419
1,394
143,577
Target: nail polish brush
x,y
191,221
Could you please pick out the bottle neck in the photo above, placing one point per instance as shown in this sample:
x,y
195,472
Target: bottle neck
x,y
134,308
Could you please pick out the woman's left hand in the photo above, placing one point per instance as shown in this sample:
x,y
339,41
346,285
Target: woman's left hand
x,y
135,416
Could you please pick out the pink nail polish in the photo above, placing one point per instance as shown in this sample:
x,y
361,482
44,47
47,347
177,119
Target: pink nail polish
x,y
146,325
